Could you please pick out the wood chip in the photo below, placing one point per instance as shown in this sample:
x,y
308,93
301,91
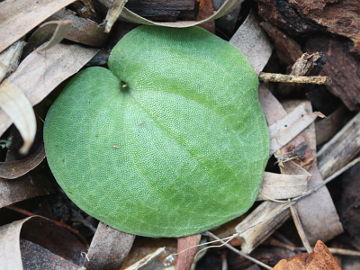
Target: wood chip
x,y
52,67
252,42
108,248
18,17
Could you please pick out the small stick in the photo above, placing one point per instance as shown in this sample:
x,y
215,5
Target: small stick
x,y
284,78
239,252
300,229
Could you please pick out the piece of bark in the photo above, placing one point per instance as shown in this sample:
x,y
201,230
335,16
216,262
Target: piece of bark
x,y
187,248
287,49
18,17
108,248
164,10
341,18
133,17
52,67
287,17
319,259
205,10
326,128
252,42
341,67
341,149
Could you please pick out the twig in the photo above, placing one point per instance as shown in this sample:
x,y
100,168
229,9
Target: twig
x,y
300,228
284,78
239,252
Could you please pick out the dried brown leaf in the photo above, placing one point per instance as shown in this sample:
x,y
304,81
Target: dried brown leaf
x,y
109,247
9,59
282,186
40,231
319,259
16,105
187,247
52,67
18,17
17,168
84,31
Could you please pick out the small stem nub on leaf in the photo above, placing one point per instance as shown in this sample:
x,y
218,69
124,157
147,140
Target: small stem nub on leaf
x,y
124,87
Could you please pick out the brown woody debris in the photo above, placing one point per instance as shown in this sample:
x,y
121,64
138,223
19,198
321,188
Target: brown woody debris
x,y
287,49
341,67
319,259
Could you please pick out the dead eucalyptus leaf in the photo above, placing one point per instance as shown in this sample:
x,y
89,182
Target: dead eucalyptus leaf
x,y
23,188
51,32
84,31
109,247
287,128
282,186
251,40
130,16
17,168
18,17
113,14
41,231
52,67
9,59
187,247
17,106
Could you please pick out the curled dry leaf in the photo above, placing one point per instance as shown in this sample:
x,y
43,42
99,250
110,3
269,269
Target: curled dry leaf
x,y
187,247
40,231
113,14
17,168
84,31
319,259
109,247
52,67
20,16
282,186
9,59
17,106
130,16
51,32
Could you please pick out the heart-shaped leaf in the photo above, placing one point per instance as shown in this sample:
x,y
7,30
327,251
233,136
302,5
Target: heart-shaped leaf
x,y
170,141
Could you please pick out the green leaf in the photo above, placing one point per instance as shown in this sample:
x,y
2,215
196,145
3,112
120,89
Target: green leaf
x,y
170,141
